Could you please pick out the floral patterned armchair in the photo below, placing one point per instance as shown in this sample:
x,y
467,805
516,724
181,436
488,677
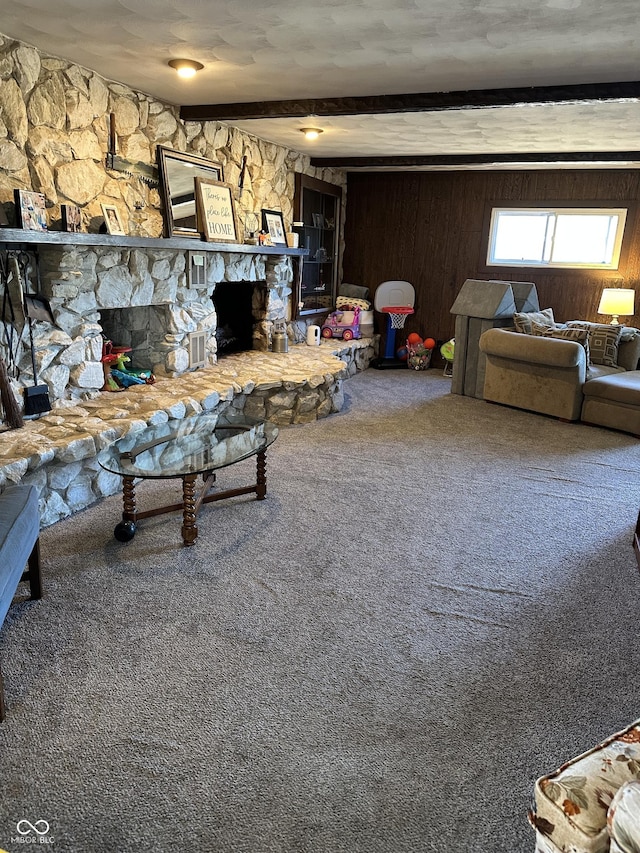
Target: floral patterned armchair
x,y
591,804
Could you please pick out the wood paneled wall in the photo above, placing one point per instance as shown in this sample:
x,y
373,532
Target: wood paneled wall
x,y
431,228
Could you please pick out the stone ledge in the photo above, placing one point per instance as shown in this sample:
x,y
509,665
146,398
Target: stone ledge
x,y
57,451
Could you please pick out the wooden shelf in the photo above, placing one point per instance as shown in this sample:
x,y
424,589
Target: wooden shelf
x,y
317,286
13,236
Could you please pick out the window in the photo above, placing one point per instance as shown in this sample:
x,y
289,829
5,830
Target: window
x,y
556,237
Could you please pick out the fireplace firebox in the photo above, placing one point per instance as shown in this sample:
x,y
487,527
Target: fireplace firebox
x,y
234,304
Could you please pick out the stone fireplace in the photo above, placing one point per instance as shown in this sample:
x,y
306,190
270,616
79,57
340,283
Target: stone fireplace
x,y
142,295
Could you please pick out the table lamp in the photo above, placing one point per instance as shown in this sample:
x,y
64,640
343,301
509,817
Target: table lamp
x,y
617,301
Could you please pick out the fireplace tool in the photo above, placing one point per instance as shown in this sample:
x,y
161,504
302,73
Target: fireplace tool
x,y
12,413
36,305
36,397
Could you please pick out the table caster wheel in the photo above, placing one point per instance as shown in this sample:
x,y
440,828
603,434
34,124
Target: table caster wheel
x,y
125,531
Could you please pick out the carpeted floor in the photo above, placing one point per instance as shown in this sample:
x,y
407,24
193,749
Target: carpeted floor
x,y
437,602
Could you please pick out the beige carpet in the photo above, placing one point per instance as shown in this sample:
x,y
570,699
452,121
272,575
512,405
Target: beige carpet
x,y
437,602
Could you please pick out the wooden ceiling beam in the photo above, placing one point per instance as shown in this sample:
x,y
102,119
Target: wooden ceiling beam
x,y
424,102
604,157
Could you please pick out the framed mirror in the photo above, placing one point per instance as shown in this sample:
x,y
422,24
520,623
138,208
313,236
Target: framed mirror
x,y
177,172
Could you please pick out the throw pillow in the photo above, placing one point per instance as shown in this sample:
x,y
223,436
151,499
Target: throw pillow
x,y
348,302
603,341
541,328
623,819
353,290
628,333
580,336
523,320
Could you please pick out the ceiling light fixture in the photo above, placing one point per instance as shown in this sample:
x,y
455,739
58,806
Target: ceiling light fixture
x,y
186,67
311,132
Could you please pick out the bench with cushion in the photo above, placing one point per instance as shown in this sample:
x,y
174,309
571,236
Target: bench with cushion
x,y
19,548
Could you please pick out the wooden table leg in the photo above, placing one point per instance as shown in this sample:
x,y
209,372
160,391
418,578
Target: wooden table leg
x,y
125,530
129,499
189,527
261,477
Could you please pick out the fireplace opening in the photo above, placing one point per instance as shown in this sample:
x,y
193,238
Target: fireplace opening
x,y
233,301
139,328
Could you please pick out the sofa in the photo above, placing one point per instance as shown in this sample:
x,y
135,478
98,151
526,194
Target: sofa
x,y
546,367
591,803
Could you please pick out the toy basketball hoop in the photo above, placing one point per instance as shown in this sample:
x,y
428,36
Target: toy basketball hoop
x,y
396,300
397,315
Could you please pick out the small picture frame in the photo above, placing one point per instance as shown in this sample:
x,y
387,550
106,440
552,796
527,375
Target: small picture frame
x,y
71,218
318,220
216,214
31,212
273,224
112,219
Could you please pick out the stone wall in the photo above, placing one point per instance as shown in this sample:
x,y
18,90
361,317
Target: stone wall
x,y
54,119
54,138
81,282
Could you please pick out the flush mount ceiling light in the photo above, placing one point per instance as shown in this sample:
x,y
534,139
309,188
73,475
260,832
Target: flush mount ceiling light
x,y
311,132
186,67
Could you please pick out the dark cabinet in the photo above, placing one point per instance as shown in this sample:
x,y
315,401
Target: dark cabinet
x,y
317,206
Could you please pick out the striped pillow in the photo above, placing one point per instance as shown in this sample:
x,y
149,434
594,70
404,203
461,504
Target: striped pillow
x,y
580,336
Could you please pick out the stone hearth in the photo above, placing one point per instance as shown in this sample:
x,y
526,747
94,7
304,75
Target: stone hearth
x,y
57,451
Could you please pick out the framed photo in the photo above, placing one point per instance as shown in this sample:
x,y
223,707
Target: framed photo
x,y
31,213
216,214
112,219
318,220
273,223
71,218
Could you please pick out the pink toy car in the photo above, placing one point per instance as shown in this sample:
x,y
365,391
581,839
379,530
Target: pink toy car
x,y
344,324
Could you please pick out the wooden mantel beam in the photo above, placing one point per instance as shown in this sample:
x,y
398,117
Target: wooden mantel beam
x,y
458,160
421,102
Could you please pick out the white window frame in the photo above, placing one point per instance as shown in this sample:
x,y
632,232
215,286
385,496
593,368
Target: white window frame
x,y
552,214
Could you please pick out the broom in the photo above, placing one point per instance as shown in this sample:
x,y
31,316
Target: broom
x,y
12,413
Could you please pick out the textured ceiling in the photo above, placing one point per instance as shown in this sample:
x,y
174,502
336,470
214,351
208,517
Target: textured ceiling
x,y
297,49
558,128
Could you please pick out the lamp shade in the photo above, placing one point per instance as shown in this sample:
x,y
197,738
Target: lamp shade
x,y
616,301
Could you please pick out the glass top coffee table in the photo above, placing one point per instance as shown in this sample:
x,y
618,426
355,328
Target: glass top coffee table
x,y
186,449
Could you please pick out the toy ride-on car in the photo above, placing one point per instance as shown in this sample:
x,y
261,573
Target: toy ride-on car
x,y
343,324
